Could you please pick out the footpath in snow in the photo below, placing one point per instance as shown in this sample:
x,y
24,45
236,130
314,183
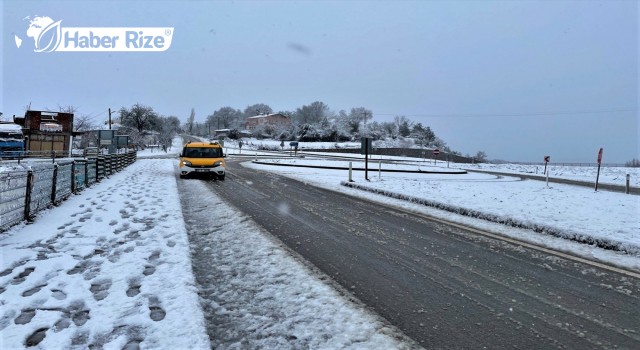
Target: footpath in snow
x,y
108,268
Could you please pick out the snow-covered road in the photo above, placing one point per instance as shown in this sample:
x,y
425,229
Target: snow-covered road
x,y
111,268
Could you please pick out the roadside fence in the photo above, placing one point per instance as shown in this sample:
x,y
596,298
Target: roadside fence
x,y
29,187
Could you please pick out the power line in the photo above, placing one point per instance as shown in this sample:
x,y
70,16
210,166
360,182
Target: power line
x,y
90,117
488,115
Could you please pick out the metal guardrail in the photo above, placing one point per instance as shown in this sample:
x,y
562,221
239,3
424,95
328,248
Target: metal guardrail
x,y
27,188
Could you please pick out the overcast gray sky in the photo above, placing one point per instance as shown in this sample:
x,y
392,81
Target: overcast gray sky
x,y
516,79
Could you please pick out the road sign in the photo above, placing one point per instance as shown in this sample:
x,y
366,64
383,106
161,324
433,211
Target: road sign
x,y
293,144
366,144
600,156
599,162
436,152
546,160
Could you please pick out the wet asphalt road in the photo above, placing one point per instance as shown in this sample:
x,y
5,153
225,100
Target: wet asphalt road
x,y
443,286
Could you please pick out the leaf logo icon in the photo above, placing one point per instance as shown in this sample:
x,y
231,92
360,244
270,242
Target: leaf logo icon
x,y
49,38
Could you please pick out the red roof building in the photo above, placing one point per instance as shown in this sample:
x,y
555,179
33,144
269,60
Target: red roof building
x,y
275,119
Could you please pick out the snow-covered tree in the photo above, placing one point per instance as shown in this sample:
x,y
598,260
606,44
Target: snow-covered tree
x,y
140,117
224,118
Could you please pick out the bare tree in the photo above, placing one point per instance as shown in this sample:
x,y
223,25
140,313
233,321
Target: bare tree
x,y
257,109
633,163
359,115
481,157
83,122
67,109
316,112
192,117
167,127
404,125
224,117
140,117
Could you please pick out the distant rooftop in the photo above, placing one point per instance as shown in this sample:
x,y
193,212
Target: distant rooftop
x,y
10,127
266,115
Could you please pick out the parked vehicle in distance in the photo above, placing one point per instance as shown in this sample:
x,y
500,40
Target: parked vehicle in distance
x,y
11,140
202,159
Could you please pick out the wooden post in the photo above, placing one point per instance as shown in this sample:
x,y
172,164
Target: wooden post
x,y
366,159
54,185
27,197
597,177
599,163
547,179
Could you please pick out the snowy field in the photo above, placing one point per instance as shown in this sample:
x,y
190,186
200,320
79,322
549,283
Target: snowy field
x,y
608,175
111,267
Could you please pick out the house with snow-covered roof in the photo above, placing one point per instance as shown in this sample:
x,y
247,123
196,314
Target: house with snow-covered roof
x,y
274,119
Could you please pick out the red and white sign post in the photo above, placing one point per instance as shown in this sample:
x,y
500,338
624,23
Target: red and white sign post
x,y
546,160
546,173
599,163
436,152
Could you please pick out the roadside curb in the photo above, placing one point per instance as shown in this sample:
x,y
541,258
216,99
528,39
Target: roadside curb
x,y
505,220
457,172
602,186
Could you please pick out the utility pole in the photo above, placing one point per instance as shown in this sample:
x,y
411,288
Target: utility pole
x,y
365,123
109,118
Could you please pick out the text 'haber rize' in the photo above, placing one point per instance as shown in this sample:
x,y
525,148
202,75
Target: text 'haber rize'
x,y
132,40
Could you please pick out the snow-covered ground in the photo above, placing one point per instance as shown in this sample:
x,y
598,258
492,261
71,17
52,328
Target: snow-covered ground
x,y
111,267
562,210
108,268
608,174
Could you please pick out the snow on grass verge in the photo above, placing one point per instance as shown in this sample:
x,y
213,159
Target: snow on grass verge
x,y
602,242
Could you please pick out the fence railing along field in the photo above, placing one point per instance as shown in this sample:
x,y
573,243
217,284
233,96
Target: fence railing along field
x,y
594,164
29,187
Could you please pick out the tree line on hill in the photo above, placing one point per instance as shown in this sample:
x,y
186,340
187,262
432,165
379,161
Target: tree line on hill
x,y
317,122
312,122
